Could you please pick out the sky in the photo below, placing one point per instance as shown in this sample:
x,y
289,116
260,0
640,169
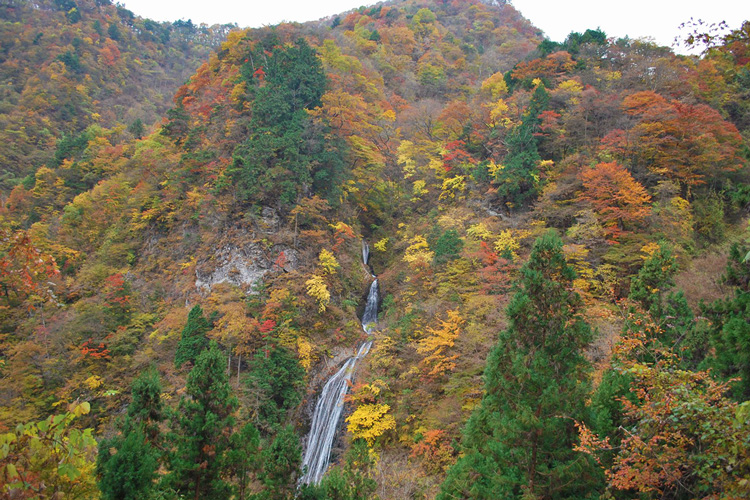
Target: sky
x,y
657,19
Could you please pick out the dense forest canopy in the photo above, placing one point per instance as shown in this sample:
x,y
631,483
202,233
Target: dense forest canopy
x,y
559,231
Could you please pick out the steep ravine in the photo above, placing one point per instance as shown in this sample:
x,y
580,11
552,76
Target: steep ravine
x,y
330,404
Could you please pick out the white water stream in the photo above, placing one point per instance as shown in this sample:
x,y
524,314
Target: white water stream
x,y
331,402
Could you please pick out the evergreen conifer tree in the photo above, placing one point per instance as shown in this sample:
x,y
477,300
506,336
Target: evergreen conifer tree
x,y
654,279
146,407
730,325
243,459
519,442
276,382
286,155
351,482
193,339
201,429
129,472
127,463
518,182
281,463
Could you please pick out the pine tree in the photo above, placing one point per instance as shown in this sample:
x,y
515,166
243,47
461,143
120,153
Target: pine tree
x,y
127,463
654,279
243,458
281,463
275,381
201,429
518,182
137,128
193,339
286,155
519,442
730,325
146,407
353,481
129,472
652,288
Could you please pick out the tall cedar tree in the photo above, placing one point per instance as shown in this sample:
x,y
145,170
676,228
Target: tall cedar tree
x,y
202,429
730,325
146,408
654,279
281,465
519,442
243,459
518,181
652,288
126,464
193,339
276,383
350,482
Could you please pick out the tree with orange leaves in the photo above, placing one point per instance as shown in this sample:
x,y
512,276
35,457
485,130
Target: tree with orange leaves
x,y
618,199
689,144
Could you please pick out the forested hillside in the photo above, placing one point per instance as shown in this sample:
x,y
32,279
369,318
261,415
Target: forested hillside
x,y
75,70
559,232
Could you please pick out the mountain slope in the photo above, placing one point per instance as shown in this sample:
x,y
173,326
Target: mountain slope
x,y
68,65
447,134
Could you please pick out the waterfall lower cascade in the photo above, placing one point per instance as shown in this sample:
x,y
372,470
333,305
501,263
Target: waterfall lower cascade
x,y
331,402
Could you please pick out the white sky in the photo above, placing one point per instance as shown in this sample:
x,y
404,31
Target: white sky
x,y
658,19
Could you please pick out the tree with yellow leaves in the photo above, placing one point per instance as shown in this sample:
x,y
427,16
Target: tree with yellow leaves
x,y
438,341
49,459
370,421
419,252
328,262
317,289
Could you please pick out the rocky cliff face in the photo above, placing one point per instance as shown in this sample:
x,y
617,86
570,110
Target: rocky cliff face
x,y
243,266
244,261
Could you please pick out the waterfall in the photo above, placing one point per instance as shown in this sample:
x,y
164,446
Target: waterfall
x,y
370,316
365,252
331,401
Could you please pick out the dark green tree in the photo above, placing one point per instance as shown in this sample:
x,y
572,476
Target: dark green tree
x,y
447,247
126,463
275,381
243,459
114,32
350,482
281,463
178,124
146,407
729,330
606,403
518,182
653,290
137,128
129,472
201,429
193,339
287,154
519,442
654,280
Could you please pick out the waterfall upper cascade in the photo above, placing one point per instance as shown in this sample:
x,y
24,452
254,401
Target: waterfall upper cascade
x,y
365,252
330,404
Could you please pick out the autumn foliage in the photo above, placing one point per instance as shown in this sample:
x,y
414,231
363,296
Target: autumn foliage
x,y
619,200
180,196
